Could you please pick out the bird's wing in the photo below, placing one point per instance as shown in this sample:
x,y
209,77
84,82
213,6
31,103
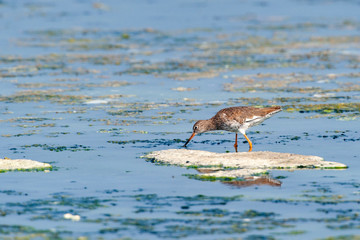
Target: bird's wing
x,y
253,119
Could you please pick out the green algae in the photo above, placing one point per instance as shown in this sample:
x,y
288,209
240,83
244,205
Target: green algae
x,y
104,84
291,233
35,169
148,143
200,221
11,192
200,167
27,232
214,221
38,96
154,199
28,133
322,200
326,108
342,237
53,205
73,148
270,82
212,178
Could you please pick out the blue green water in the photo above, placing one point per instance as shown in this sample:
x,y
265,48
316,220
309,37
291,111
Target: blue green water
x,y
90,87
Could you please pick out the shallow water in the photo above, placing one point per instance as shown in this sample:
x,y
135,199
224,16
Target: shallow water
x,y
90,87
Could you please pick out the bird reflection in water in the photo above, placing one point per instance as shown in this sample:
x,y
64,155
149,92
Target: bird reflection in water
x,y
247,181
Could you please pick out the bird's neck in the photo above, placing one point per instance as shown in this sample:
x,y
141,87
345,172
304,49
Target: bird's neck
x,y
210,124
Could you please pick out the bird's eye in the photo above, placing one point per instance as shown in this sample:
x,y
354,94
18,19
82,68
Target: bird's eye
x,y
195,127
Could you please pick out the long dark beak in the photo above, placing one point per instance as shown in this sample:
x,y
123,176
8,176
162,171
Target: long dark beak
x,y
193,134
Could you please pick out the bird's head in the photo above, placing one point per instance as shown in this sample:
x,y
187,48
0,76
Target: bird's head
x,y
199,127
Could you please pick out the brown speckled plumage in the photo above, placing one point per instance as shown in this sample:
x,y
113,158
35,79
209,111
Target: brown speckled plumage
x,y
234,119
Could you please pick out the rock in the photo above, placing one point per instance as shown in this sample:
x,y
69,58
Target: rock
x,y
22,164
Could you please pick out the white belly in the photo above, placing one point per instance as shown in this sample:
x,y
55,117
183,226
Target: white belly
x,y
234,126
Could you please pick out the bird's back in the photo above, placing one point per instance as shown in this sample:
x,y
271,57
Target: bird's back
x,y
250,116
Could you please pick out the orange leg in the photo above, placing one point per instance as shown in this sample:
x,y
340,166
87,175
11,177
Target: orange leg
x,y
235,145
250,143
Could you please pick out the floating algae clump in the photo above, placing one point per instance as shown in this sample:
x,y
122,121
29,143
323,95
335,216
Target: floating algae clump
x,y
7,164
236,166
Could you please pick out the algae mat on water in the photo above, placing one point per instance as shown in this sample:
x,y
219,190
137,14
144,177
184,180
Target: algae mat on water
x,y
235,165
22,165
